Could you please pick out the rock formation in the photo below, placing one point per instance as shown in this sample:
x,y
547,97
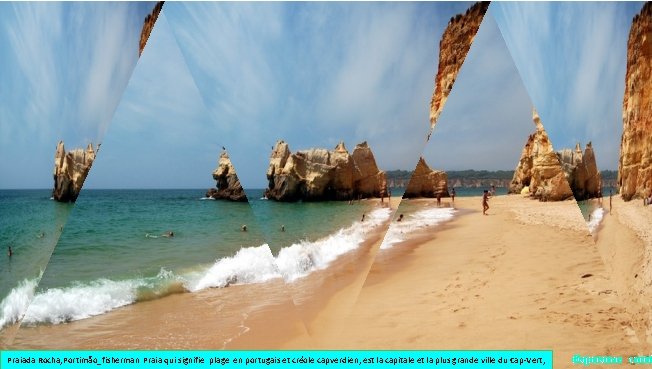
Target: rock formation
x,y
453,47
539,168
228,185
319,174
148,25
70,171
581,172
635,166
426,182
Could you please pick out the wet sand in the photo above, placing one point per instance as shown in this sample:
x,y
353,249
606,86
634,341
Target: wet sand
x,y
272,315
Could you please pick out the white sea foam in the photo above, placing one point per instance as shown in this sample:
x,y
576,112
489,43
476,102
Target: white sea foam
x,y
15,304
596,217
399,231
248,265
207,198
299,259
83,300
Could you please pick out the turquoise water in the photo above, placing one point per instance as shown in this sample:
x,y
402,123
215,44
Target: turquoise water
x,y
30,222
113,253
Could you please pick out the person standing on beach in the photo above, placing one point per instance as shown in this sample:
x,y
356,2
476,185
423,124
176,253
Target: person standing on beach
x,y
485,202
438,200
362,220
493,190
453,194
610,195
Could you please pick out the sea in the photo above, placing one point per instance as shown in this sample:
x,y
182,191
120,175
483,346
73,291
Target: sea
x,y
112,247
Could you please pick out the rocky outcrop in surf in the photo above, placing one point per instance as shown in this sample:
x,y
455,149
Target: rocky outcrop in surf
x,y
70,171
148,25
320,174
539,172
228,185
426,182
453,47
635,166
581,172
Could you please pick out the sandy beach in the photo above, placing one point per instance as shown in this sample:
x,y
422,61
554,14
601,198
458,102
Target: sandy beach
x,y
527,276
625,243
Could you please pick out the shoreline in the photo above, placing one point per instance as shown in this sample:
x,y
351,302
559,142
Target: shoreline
x,y
529,275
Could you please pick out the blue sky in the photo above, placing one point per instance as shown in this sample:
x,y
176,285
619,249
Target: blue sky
x,y
161,136
488,115
572,58
64,68
312,74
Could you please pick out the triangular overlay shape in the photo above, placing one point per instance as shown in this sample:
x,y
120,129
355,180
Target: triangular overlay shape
x,y
144,245
574,72
456,282
312,84
65,68
587,78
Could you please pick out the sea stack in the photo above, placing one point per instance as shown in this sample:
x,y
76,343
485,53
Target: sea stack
x,y
635,165
148,25
319,174
426,182
453,47
228,185
70,171
539,168
581,172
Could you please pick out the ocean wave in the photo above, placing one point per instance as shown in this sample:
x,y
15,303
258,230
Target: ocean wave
x,y
248,265
84,300
596,217
17,301
399,231
207,198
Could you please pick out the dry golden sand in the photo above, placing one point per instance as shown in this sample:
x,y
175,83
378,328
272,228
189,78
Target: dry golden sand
x,y
625,245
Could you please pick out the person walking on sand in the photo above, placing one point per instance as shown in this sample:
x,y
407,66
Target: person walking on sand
x,y
610,195
485,202
453,194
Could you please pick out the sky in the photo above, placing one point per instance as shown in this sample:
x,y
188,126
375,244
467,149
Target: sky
x,y
572,58
162,135
313,74
488,115
64,67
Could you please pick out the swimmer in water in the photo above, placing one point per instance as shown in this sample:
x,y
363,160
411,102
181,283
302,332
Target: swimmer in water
x,y
282,228
10,252
41,234
244,228
400,218
168,234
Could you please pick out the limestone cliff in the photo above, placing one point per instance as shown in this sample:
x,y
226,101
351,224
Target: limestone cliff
x,y
228,185
635,166
70,171
581,171
539,168
148,25
453,47
319,174
426,182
